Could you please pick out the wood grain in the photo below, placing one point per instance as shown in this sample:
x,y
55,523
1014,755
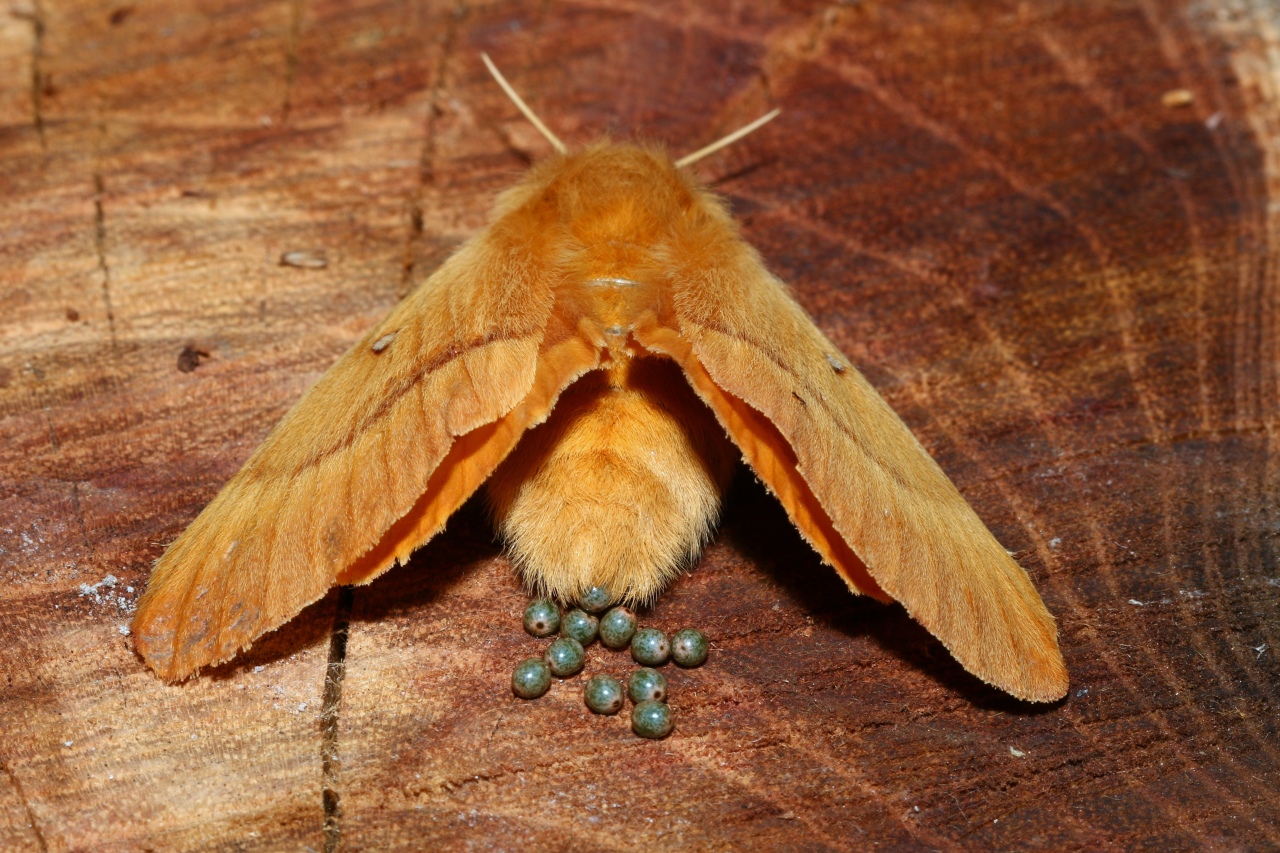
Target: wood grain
x,y
1066,287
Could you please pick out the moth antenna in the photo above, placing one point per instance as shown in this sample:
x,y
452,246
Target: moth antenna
x,y
690,159
522,106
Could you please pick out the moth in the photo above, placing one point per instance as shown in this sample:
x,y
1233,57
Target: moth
x,y
598,357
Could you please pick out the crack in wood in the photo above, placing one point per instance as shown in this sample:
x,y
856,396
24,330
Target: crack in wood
x,y
427,157
35,15
100,246
330,765
291,57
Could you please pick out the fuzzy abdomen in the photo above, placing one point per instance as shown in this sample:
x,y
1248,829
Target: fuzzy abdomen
x,y
619,488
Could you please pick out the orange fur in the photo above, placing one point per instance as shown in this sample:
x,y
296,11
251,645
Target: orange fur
x,y
618,489
605,276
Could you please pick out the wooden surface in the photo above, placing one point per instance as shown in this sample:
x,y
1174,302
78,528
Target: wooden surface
x,y
1065,284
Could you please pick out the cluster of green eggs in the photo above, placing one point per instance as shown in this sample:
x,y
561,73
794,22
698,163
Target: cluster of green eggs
x,y
616,629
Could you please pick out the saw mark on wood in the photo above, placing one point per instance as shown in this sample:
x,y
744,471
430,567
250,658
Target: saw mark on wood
x,y
1112,449
1255,342
864,79
1118,290
1023,379
1256,296
1027,387
1254,321
1119,293
1261,23
1254,382
1255,302
795,744
1119,673
1111,105
335,674
1035,406
26,806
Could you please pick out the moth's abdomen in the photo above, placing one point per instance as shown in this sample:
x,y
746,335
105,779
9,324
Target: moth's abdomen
x,y
619,488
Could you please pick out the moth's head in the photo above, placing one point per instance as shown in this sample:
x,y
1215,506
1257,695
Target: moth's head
x,y
611,193
608,193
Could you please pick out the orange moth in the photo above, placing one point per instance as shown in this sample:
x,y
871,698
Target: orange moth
x,y
598,357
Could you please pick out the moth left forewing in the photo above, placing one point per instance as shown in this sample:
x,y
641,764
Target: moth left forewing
x,y
880,491
354,456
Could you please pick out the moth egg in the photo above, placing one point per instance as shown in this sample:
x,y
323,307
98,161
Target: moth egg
x,y
651,719
647,685
603,694
579,625
531,678
617,627
689,647
541,618
595,599
650,647
565,657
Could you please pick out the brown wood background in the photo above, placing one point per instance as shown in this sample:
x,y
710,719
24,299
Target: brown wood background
x,y
1066,286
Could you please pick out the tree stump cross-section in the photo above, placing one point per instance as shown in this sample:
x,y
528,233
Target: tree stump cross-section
x,y
1047,232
